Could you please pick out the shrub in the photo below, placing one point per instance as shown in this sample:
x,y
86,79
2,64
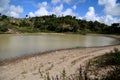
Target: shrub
x,y
3,29
24,24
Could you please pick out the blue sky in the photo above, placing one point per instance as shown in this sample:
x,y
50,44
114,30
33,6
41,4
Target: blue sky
x,y
105,11
81,6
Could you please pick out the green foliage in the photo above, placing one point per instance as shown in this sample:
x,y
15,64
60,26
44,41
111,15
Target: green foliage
x,y
80,75
4,22
68,23
63,74
4,17
111,62
111,58
24,24
3,29
114,74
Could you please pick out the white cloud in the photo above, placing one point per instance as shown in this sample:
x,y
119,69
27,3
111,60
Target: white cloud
x,y
14,11
17,9
61,1
67,1
43,10
55,1
107,19
58,10
10,10
31,14
74,7
13,14
111,7
43,4
69,12
3,5
90,15
39,12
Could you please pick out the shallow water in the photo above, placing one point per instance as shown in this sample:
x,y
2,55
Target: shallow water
x,y
16,45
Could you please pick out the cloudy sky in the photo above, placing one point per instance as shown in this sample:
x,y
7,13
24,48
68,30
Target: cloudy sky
x,y
105,11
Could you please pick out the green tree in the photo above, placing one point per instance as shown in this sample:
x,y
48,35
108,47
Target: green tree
x,y
3,29
24,24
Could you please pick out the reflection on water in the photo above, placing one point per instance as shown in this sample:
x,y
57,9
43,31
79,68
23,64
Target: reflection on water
x,y
17,45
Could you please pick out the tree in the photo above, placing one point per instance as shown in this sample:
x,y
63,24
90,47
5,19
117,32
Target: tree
x,y
26,16
115,28
4,17
24,24
3,28
115,24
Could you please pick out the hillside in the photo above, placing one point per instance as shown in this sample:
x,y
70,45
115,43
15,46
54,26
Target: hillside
x,y
52,23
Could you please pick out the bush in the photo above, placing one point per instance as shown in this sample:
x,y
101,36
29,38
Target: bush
x,y
3,29
111,58
114,74
24,24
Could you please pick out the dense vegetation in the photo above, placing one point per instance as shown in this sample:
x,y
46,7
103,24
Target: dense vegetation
x,y
106,67
52,23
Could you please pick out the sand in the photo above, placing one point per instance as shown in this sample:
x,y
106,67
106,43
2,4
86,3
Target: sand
x,y
54,62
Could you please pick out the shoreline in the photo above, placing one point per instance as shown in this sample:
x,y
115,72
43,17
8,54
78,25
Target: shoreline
x,y
25,57
13,60
30,67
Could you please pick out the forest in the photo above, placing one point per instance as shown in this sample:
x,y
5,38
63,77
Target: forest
x,y
53,23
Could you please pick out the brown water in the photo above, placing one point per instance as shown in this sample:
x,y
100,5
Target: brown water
x,y
17,45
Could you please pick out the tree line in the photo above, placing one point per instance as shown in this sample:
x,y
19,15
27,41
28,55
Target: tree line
x,y
52,23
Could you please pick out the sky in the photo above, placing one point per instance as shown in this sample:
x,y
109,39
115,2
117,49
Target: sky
x,y
104,11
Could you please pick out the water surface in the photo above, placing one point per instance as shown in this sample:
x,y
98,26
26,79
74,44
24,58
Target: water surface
x,y
17,45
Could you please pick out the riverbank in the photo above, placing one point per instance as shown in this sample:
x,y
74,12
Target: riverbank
x,y
54,62
33,66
